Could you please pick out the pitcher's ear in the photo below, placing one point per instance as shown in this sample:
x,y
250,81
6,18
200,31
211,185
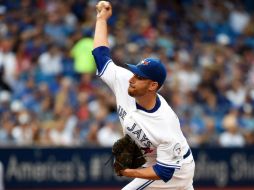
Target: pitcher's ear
x,y
154,86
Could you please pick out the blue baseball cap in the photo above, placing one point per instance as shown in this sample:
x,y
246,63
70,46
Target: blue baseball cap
x,y
150,68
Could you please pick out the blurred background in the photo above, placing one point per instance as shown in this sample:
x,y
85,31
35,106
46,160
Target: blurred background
x,y
58,120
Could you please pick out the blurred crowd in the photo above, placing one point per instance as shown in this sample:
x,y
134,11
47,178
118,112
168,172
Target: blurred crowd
x,y
50,94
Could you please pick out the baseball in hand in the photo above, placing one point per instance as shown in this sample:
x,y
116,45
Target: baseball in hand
x,y
102,4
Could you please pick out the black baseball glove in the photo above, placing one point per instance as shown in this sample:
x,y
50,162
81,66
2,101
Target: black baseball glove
x,y
126,155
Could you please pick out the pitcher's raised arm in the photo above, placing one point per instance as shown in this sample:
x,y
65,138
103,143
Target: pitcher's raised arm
x,y
104,11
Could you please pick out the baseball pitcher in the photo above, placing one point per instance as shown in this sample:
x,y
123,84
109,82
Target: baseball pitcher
x,y
145,116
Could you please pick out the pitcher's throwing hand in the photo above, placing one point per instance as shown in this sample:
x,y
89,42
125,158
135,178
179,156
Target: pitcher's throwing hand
x,y
104,10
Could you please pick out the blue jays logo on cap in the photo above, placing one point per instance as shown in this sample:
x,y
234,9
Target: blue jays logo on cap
x,y
150,68
144,62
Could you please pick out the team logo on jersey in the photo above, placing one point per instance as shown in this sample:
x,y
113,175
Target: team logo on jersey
x,y
177,150
139,134
121,112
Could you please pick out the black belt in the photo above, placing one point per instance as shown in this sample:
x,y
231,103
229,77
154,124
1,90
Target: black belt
x,y
187,154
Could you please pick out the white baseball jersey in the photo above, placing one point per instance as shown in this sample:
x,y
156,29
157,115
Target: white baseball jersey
x,y
156,131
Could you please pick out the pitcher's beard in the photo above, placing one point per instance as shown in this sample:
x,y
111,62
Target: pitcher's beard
x,y
130,92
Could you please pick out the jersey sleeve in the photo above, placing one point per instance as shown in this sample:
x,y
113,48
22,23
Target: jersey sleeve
x,y
169,158
170,154
102,58
165,173
108,71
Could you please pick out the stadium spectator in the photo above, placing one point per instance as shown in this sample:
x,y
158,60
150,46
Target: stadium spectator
x,y
109,133
8,61
231,137
50,63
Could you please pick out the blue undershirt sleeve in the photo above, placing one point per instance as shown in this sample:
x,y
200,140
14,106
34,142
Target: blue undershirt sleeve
x,y
165,173
102,58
